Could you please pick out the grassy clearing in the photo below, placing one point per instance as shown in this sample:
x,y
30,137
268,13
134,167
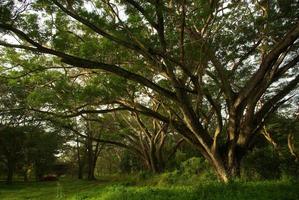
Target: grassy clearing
x,y
103,190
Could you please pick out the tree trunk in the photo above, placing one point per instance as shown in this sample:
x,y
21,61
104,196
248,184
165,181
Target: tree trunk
x,y
91,159
219,168
26,175
234,166
224,172
160,165
10,171
153,158
90,175
79,162
90,172
153,161
80,171
91,168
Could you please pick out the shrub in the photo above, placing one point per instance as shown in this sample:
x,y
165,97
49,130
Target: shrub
x,y
193,170
168,178
192,166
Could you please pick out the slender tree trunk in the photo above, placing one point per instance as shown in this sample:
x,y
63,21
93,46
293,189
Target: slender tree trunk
x,y
91,167
10,172
158,161
90,175
147,164
80,171
94,164
153,161
90,172
79,162
91,157
153,158
25,177
26,174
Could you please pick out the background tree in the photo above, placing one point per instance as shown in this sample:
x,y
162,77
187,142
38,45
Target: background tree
x,y
150,140
26,149
11,149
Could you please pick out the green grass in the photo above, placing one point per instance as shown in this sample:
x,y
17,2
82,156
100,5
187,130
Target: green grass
x,y
47,190
211,191
119,190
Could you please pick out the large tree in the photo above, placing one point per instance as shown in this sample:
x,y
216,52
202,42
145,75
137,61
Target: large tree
x,y
218,67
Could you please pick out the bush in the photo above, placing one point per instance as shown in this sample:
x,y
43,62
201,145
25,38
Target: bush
x,y
193,166
262,163
265,163
193,170
289,169
169,178
144,175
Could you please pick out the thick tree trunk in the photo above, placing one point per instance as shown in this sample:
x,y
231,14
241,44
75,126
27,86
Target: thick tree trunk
x,y
234,168
238,134
219,168
229,172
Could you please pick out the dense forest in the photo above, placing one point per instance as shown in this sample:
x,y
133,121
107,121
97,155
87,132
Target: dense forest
x,y
190,90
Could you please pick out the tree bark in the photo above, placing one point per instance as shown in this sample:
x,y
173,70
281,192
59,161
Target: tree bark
x,y
79,162
80,171
90,157
10,172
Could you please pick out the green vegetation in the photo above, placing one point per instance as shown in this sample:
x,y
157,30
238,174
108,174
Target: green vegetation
x,y
149,75
179,99
211,191
45,190
102,190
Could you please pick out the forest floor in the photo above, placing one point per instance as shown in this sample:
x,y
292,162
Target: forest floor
x,y
114,189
